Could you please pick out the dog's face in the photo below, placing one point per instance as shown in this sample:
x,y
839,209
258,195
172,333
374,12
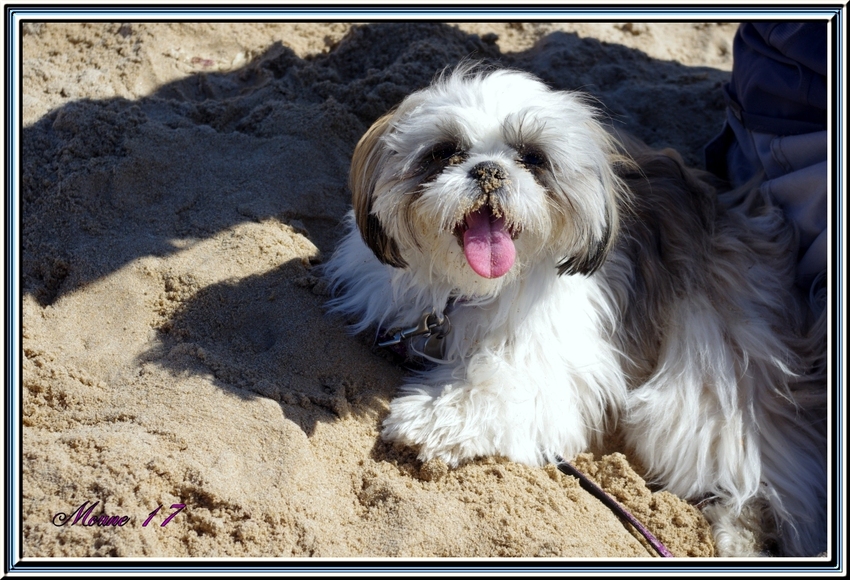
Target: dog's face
x,y
476,178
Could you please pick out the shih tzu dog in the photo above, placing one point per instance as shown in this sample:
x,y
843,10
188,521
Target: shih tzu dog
x,y
563,281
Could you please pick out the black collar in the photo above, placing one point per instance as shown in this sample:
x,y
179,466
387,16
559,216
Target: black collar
x,y
420,343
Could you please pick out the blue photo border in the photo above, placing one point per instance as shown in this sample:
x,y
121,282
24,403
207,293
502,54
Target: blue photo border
x,y
12,534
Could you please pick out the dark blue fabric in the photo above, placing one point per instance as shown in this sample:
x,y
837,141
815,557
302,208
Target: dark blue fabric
x,y
778,81
776,128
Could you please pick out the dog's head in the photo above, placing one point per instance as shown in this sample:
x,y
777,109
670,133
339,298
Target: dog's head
x,y
482,174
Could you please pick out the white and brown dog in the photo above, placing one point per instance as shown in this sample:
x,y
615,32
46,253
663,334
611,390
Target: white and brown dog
x,y
588,280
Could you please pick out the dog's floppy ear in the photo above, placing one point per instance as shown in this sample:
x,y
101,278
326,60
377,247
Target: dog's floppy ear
x,y
592,258
597,244
368,157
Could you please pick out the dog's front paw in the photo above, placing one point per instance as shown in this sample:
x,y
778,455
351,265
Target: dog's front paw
x,y
456,423
441,422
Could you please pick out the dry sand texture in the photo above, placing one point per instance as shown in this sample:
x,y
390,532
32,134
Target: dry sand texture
x,y
179,183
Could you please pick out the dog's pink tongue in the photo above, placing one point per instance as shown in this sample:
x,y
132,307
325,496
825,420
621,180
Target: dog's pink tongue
x,y
487,245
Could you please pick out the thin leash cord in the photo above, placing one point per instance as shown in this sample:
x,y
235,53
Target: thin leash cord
x,y
613,505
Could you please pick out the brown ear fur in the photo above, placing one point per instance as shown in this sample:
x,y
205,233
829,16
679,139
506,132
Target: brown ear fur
x,y
367,159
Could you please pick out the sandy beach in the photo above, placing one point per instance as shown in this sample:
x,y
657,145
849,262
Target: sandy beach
x,y
180,182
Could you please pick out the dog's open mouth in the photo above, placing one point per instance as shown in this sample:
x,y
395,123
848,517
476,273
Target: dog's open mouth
x,y
487,241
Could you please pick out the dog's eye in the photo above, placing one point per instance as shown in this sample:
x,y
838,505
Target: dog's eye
x,y
442,151
533,157
447,153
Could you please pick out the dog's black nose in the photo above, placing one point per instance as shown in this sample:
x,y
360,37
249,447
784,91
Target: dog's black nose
x,y
489,175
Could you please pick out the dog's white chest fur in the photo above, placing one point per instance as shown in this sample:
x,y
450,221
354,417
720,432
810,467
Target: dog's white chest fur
x,y
526,374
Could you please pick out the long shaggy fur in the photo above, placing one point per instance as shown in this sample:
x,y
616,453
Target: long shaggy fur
x,y
639,295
